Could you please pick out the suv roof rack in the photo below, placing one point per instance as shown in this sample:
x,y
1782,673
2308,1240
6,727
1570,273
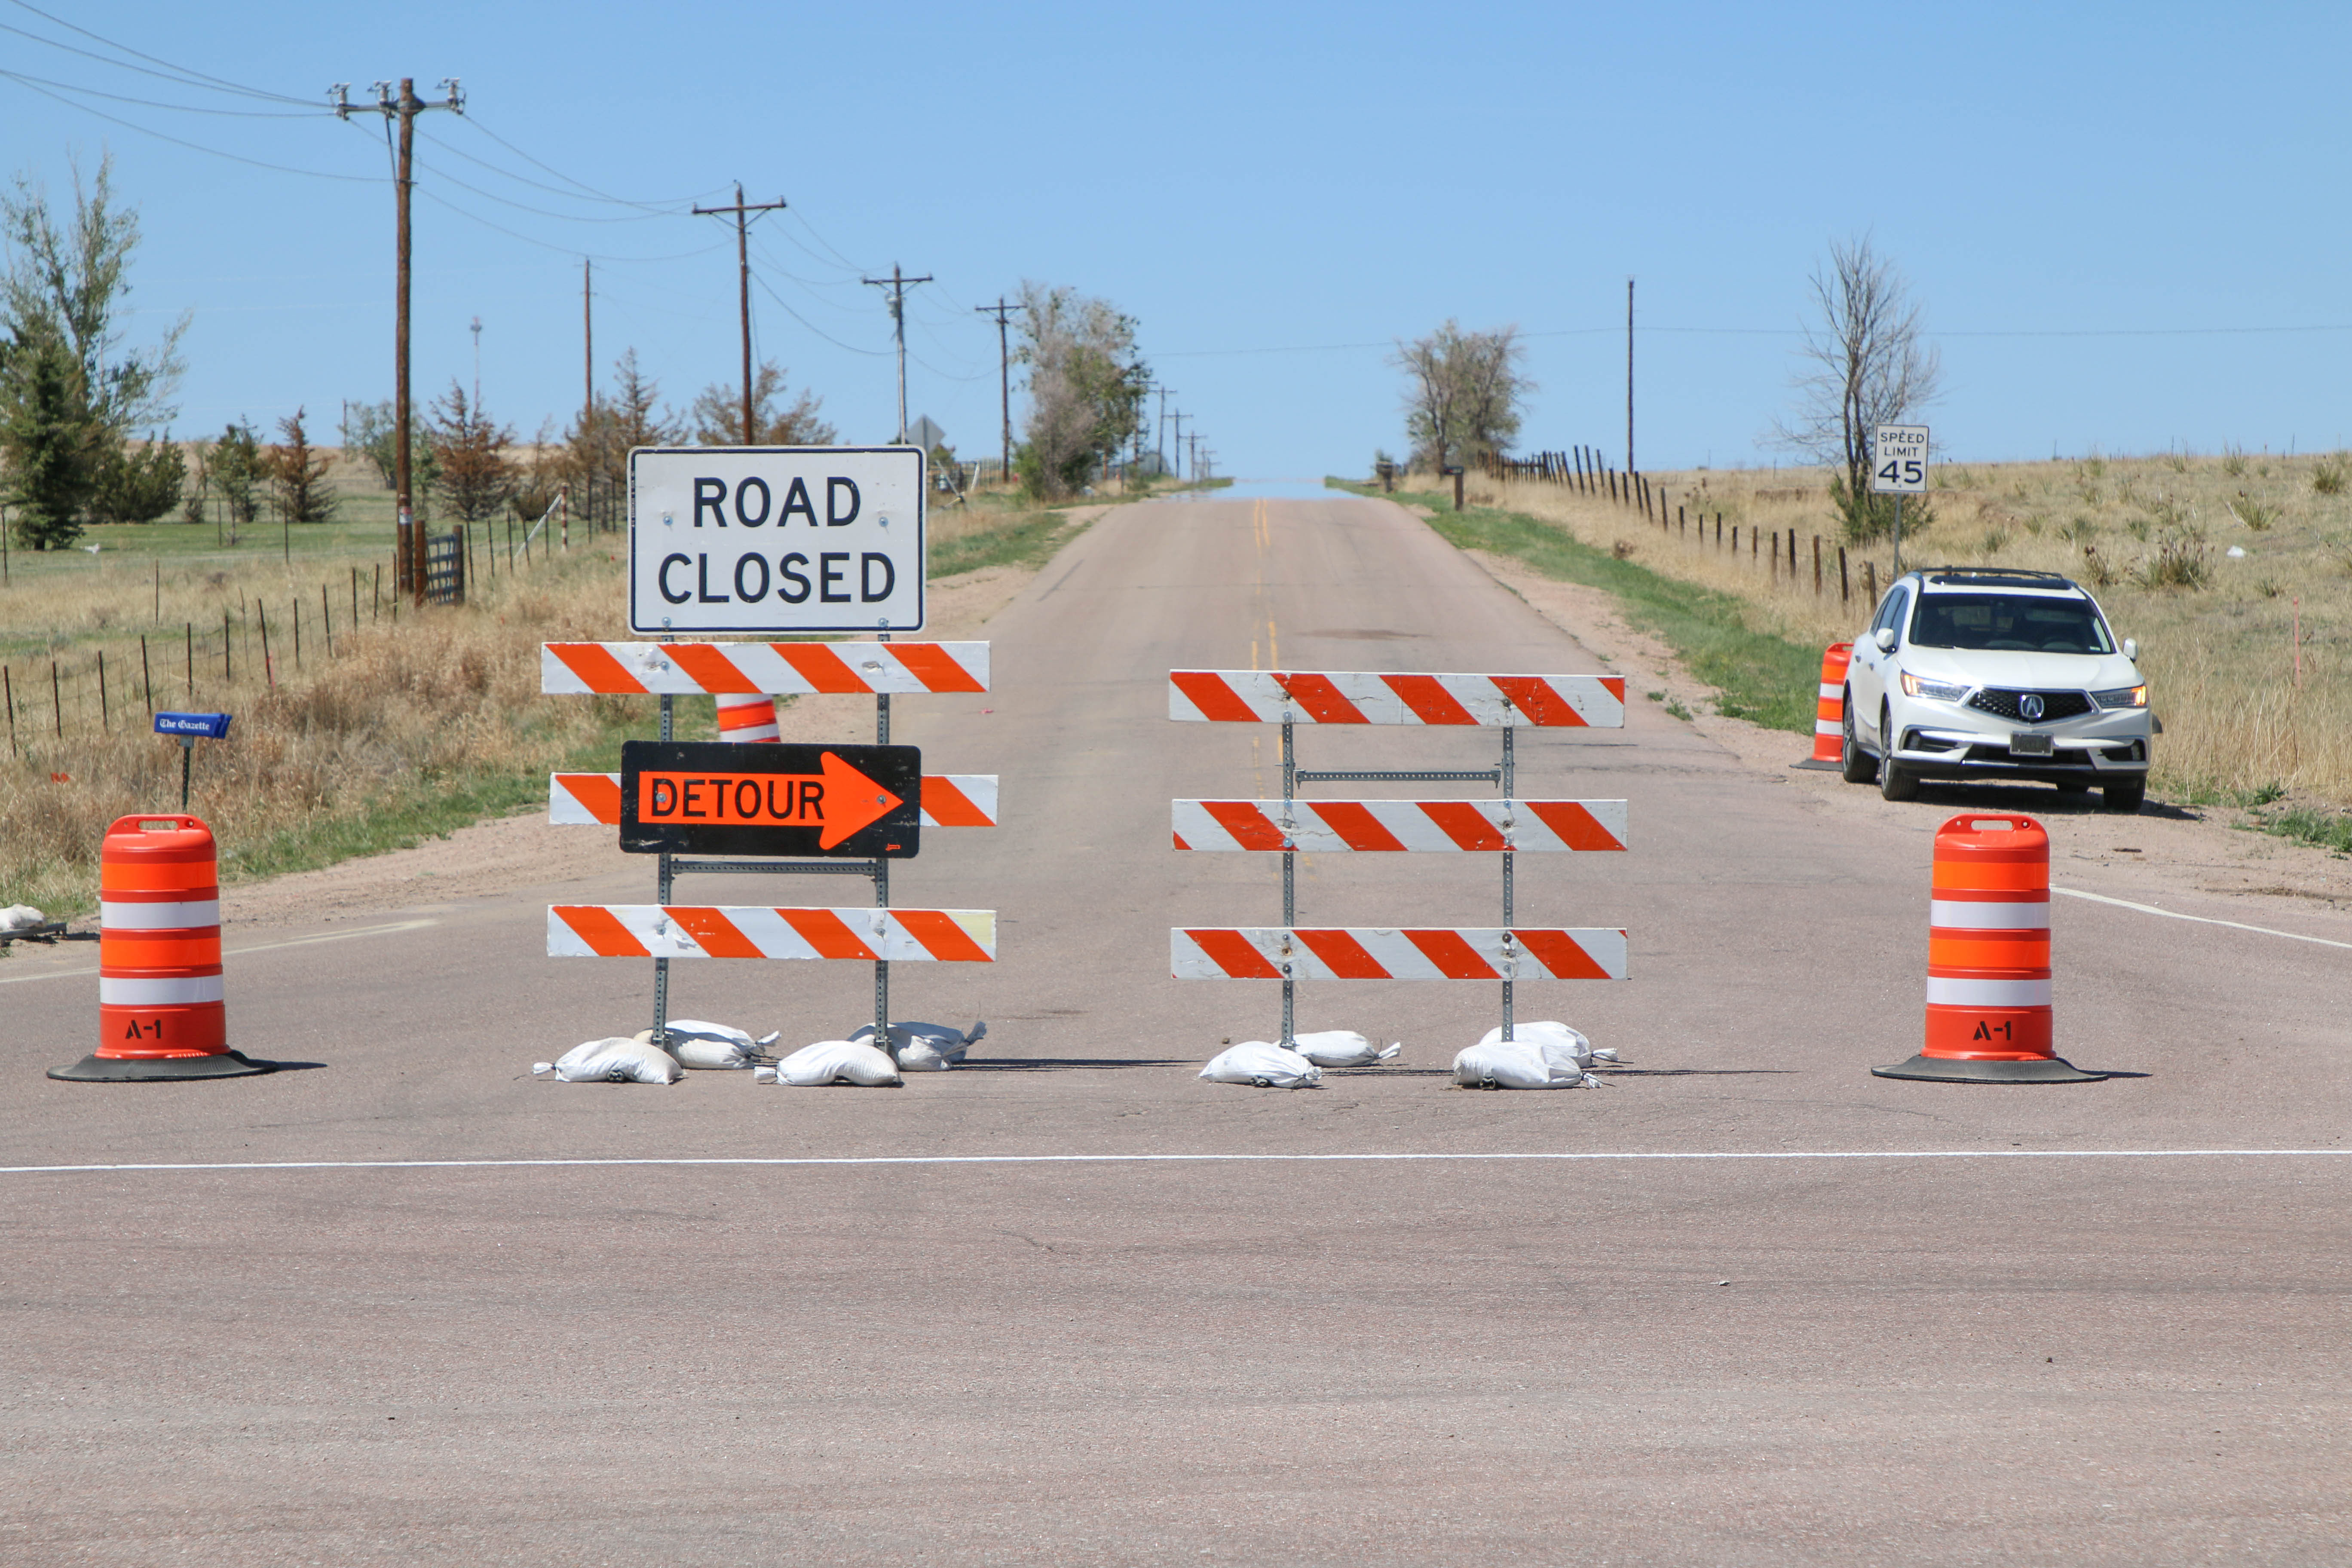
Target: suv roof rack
x,y
2019,575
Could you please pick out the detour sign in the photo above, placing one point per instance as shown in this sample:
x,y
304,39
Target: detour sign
x,y
720,798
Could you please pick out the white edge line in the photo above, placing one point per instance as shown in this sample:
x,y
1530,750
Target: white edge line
x,y
1196,1159
2200,920
258,947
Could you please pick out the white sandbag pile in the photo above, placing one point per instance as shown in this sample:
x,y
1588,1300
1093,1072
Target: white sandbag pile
x,y
1543,1054
614,1060
22,917
855,1062
712,1047
927,1047
1341,1048
1263,1065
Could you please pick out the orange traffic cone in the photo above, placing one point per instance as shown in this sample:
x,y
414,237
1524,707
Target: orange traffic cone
x,y
1989,1018
749,717
1828,710
160,1012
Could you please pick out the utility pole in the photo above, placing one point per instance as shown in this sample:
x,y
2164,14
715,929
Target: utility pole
x,y
1630,467
899,283
1178,419
1160,431
409,557
588,389
743,277
1195,453
1004,374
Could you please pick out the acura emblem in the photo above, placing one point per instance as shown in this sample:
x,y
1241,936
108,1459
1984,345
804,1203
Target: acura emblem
x,y
2029,705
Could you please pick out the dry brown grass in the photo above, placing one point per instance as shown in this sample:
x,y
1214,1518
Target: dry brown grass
x,y
2220,654
436,701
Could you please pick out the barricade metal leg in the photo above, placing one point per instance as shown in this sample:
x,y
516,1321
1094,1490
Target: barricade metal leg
x,y
662,876
1289,888
1505,772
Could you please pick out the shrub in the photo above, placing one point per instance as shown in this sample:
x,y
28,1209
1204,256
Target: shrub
x,y
2179,562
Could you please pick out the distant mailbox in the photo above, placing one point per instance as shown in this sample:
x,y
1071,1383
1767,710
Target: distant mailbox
x,y
210,726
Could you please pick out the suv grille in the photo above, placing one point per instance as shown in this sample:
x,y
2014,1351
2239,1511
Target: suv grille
x,y
2055,705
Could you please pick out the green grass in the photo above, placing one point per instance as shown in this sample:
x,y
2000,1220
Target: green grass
x,y
1757,677
1029,538
2308,825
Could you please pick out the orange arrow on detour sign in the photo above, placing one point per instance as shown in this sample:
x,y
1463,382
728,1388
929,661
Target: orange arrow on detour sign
x,y
769,800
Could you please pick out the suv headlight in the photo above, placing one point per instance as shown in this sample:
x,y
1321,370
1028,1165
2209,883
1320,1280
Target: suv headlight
x,y
1942,691
2123,697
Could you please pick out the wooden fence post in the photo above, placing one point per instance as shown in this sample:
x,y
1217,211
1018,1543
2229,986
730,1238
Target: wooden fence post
x,y
1845,588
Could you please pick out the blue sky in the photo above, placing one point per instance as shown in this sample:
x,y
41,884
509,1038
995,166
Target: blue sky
x,y
2094,204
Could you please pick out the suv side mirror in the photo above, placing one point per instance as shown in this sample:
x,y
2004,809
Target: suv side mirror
x,y
2131,649
1885,637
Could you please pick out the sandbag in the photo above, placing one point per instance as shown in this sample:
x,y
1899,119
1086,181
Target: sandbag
x,y
711,1047
927,1047
1341,1048
1561,1046
1264,1065
834,1061
22,917
613,1060
1518,1064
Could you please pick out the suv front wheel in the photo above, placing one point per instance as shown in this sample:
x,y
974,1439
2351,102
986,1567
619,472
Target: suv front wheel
x,y
1895,782
1854,764
2126,797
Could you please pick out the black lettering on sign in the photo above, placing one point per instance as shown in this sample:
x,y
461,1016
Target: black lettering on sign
x,y
702,569
796,499
661,578
865,564
742,513
710,494
693,799
830,574
834,516
746,812
665,800
798,580
744,590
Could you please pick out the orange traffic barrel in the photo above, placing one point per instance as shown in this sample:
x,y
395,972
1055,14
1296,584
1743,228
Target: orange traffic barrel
x,y
1989,1012
1828,710
748,717
160,1012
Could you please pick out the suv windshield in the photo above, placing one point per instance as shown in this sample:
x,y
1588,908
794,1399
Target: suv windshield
x,y
2010,621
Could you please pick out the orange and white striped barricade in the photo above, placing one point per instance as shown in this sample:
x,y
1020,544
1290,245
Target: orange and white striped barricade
x,y
1505,826
950,800
1828,710
1989,1003
746,678
161,1010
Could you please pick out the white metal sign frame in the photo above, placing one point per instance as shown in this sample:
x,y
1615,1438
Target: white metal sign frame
x,y
800,540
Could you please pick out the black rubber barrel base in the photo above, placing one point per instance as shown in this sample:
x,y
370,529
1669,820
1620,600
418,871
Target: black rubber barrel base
x,y
1816,765
1945,1070
159,1069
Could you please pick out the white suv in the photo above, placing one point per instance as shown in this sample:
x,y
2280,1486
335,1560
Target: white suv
x,y
1978,672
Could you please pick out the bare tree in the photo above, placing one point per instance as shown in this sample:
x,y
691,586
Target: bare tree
x,y
717,415
1864,364
1463,391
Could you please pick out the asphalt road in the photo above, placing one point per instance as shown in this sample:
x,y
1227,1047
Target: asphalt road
x,y
1746,1305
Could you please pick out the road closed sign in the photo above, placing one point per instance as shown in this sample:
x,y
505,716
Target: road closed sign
x,y
775,539
1898,461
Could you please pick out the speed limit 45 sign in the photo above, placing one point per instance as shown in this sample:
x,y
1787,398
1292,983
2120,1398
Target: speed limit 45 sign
x,y
1898,461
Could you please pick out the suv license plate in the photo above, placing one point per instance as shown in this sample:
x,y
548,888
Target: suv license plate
x,y
2029,745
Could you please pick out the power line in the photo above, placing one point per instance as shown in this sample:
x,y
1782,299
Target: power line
x,y
550,168
178,76
645,212
192,146
31,80
812,326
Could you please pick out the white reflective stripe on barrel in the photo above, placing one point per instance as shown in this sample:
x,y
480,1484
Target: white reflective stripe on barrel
x,y
1835,693
193,915
1828,727
114,991
1953,914
1945,991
